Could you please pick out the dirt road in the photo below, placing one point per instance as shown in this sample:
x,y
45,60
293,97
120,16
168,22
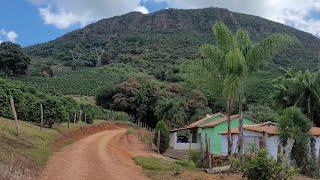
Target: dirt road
x,y
106,155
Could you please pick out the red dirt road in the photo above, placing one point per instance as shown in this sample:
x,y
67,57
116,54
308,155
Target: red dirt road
x,y
103,156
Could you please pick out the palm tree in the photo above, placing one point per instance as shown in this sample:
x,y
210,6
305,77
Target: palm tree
x,y
301,89
230,61
171,110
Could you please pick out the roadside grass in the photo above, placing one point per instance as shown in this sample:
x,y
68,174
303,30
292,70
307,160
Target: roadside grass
x,y
164,168
131,130
159,168
23,157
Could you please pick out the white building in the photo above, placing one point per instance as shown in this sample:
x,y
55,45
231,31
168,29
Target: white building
x,y
262,135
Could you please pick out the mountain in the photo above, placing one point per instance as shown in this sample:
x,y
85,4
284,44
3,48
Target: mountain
x,y
157,42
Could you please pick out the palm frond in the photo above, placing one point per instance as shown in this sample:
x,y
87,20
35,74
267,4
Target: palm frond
x,y
243,41
224,37
268,48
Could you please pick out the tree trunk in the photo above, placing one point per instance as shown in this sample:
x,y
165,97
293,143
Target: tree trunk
x,y
229,127
240,135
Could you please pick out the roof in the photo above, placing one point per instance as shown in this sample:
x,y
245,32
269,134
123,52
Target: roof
x,y
204,120
200,122
221,120
269,128
214,123
314,131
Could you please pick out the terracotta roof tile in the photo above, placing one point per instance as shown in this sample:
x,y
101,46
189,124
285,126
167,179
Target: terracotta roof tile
x,y
203,120
269,128
199,122
314,131
214,123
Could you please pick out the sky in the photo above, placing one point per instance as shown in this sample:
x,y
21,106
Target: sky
x,y
29,22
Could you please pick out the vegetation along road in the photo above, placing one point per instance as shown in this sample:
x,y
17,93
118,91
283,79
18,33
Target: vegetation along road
x,y
105,155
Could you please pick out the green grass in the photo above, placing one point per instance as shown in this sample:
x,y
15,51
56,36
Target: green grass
x,y
32,142
158,168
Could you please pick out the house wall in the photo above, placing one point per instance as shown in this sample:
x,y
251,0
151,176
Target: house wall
x,y
272,143
214,136
173,139
186,146
251,140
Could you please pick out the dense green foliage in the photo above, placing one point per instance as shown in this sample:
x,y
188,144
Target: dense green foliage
x,y
262,167
12,60
301,89
164,136
56,108
87,81
150,100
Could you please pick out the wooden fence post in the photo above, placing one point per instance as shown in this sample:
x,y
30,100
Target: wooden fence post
x,y
209,154
68,121
80,115
190,140
14,113
85,117
74,118
158,142
41,116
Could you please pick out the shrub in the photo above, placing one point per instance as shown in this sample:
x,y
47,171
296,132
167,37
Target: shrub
x,y
164,136
260,166
194,156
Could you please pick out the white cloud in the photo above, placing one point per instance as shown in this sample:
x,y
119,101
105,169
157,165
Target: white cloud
x,y
61,19
142,9
63,14
291,12
7,36
12,36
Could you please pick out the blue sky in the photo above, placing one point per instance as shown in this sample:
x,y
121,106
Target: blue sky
x,y
29,22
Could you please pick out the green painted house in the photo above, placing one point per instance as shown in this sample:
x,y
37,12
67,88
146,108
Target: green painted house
x,y
210,126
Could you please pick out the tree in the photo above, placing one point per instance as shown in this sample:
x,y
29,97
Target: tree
x,y
12,60
171,110
295,125
230,61
164,136
301,89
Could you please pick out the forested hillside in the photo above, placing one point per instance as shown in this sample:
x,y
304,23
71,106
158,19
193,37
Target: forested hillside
x,y
161,40
137,46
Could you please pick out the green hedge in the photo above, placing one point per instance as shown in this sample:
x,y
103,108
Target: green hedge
x,y
56,108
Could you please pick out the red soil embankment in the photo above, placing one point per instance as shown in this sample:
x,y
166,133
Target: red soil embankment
x,y
85,131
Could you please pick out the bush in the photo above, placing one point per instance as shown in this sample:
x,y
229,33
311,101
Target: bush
x,y
194,156
294,124
262,167
164,136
